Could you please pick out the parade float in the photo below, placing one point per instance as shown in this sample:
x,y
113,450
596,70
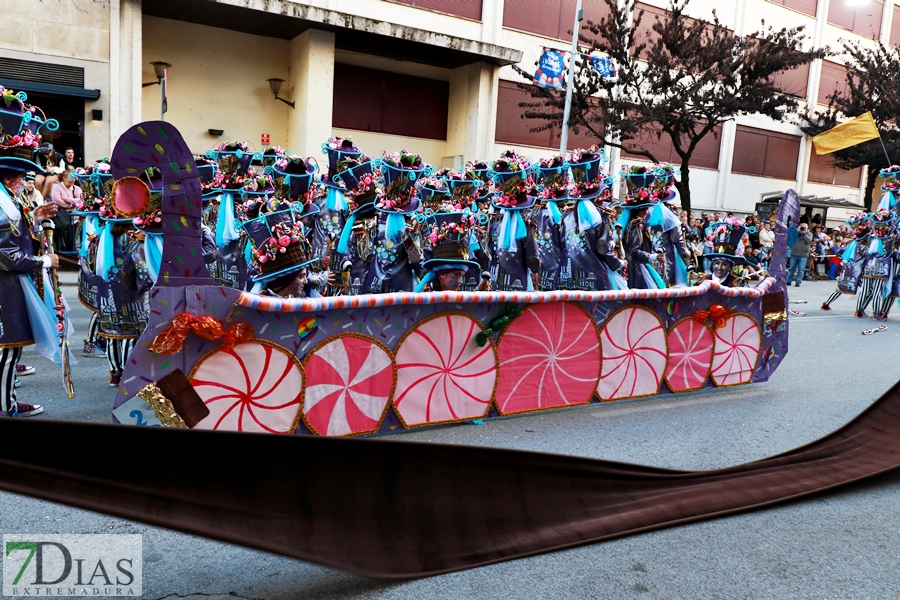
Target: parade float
x,y
213,357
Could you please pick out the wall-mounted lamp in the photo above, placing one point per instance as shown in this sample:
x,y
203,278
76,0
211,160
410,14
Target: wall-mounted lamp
x,y
160,68
275,86
215,132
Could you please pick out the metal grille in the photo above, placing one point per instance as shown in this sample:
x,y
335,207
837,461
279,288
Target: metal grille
x,y
38,72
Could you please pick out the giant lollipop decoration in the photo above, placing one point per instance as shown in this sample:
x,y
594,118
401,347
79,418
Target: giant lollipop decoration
x,y
634,354
442,374
549,357
737,347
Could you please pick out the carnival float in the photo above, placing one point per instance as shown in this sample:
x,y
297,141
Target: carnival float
x,y
215,357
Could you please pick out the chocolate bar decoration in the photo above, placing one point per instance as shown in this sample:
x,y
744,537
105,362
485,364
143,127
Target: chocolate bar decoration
x,y
185,400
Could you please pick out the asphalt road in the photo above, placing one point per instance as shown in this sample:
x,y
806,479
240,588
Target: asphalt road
x,y
844,544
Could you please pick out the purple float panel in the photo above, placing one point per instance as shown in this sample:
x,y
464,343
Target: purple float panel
x,y
359,365
159,144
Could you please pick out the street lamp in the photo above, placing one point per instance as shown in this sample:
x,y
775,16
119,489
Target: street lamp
x,y
275,86
160,68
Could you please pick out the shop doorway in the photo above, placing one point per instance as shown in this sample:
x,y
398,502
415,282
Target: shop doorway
x,y
70,114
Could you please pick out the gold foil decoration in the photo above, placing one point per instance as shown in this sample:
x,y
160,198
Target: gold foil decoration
x,y
774,317
161,406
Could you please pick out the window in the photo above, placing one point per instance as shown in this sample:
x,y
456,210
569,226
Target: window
x,y
834,79
895,28
651,14
468,9
513,129
864,20
794,81
550,18
807,7
765,153
384,102
821,171
705,156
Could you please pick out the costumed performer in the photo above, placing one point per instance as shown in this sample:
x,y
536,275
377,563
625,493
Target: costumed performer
x,y
589,240
513,250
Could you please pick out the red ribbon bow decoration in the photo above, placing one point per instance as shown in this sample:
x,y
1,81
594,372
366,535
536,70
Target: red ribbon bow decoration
x,y
171,339
717,312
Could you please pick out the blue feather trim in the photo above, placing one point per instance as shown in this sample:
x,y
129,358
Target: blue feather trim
x,y
428,278
226,231
555,215
395,227
588,215
335,200
344,242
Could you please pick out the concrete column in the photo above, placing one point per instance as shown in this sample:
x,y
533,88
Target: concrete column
x,y
125,53
726,157
491,21
887,19
472,116
311,87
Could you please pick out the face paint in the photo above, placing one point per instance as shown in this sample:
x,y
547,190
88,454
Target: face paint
x,y
15,184
721,268
295,289
450,281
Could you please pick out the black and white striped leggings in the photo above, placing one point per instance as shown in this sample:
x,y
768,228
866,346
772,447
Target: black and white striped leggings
x,y
117,351
9,358
869,289
94,329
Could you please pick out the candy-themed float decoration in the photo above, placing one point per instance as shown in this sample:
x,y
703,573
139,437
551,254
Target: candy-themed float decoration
x,y
634,354
549,357
424,333
736,351
349,382
255,386
442,374
690,355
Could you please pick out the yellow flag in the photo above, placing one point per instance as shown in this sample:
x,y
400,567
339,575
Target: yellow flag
x,y
853,132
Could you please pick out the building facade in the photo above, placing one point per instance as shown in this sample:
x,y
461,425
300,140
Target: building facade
x,y
431,76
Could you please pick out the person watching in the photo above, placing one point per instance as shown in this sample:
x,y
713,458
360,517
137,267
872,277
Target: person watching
x,y
51,161
65,194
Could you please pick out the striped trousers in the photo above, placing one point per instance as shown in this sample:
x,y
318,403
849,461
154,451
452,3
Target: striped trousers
x,y
834,296
869,287
9,358
883,305
93,329
117,351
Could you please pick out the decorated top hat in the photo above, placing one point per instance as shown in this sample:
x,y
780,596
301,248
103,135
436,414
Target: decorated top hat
x,y
257,186
589,180
433,190
663,184
861,224
233,157
357,177
882,223
270,155
448,236
338,149
278,243
551,178
639,177
20,127
511,174
481,171
400,171
95,181
726,238
464,188
890,175
293,176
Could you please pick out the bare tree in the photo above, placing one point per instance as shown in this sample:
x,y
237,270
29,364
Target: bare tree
x,y
680,78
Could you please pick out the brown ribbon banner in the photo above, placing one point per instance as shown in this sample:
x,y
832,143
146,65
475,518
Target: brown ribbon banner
x,y
403,509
